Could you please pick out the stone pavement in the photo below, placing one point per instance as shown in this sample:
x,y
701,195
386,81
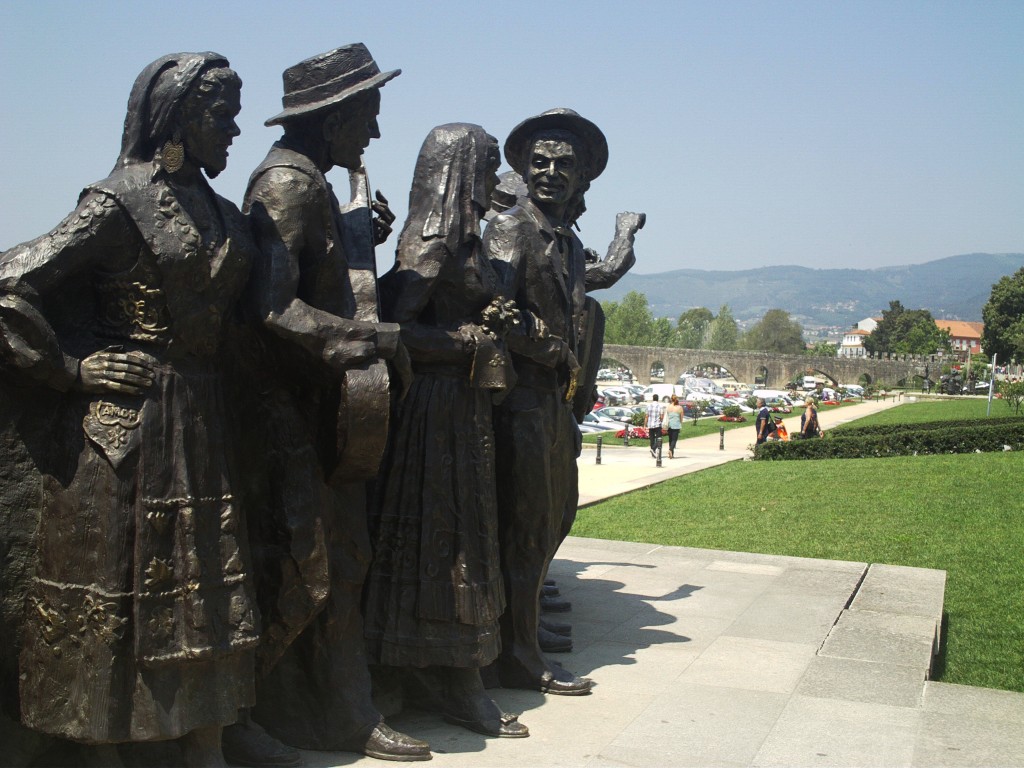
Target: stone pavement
x,y
710,658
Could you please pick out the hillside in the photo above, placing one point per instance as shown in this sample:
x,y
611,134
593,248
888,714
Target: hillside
x,y
955,288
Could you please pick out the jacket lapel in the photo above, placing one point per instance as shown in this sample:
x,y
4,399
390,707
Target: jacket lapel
x,y
551,250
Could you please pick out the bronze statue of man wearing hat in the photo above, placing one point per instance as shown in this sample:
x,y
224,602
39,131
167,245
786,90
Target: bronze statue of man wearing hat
x,y
321,419
545,270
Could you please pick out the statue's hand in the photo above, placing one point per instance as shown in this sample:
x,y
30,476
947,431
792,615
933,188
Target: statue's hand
x,y
130,373
383,218
538,329
628,223
573,371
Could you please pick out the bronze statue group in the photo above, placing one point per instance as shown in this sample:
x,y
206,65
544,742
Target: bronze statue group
x,y
248,484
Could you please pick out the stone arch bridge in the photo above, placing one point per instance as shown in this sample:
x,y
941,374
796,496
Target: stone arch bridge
x,y
774,369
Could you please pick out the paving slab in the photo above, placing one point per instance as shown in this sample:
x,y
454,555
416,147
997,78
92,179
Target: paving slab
x,y
882,637
956,741
969,701
791,617
699,725
751,664
866,681
829,732
902,589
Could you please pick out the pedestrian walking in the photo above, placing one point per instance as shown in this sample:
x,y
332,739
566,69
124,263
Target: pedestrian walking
x,y
655,416
673,423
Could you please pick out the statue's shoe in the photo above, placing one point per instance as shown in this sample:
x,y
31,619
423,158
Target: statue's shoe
x,y
554,605
506,725
558,627
247,744
551,642
385,743
558,680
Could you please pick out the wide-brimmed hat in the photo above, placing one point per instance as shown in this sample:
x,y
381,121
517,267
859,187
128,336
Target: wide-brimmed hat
x,y
517,145
328,78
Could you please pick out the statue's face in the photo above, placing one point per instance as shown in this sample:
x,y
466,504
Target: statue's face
x,y
493,164
209,126
554,173
350,128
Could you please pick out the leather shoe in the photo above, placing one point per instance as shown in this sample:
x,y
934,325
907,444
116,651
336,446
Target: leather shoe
x,y
553,643
385,743
558,627
506,725
246,743
561,681
552,605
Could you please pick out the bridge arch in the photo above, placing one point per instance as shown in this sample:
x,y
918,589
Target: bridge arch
x,y
746,366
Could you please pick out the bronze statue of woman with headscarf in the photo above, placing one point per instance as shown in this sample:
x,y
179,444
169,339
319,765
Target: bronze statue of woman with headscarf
x,y
140,619
434,592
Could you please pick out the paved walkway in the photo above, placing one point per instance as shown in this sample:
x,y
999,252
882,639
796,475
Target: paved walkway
x,y
710,658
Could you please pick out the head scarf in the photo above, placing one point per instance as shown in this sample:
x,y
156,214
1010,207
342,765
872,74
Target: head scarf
x,y
158,92
449,186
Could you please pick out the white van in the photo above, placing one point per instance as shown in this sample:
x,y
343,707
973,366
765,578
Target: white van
x,y
664,391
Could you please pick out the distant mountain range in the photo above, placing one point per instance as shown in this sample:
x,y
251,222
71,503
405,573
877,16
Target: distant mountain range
x,y
954,288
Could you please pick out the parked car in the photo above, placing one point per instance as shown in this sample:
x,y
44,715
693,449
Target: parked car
x,y
601,423
620,396
638,392
616,413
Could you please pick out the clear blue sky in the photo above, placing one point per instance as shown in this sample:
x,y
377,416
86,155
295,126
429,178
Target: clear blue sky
x,y
826,134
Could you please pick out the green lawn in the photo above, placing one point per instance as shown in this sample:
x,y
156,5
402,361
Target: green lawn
x,y
963,514
935,410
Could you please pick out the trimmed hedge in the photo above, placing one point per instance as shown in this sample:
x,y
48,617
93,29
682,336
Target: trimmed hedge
x,y
964,437
884,429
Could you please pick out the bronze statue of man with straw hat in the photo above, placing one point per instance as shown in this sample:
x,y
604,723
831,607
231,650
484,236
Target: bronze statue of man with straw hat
x,y
545,270
329,365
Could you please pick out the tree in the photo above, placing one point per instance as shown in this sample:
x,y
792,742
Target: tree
x,y
693,328
629,322
1013,394
663,335
724,331
823,349
907,332
776,332
1003,316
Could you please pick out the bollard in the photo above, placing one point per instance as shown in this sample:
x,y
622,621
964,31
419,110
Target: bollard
x,y
658,462
599,439
721,438
625,436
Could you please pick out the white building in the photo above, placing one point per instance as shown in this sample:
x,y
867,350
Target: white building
x,y
853,342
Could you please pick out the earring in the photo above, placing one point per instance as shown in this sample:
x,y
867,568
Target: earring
x,y
172,156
